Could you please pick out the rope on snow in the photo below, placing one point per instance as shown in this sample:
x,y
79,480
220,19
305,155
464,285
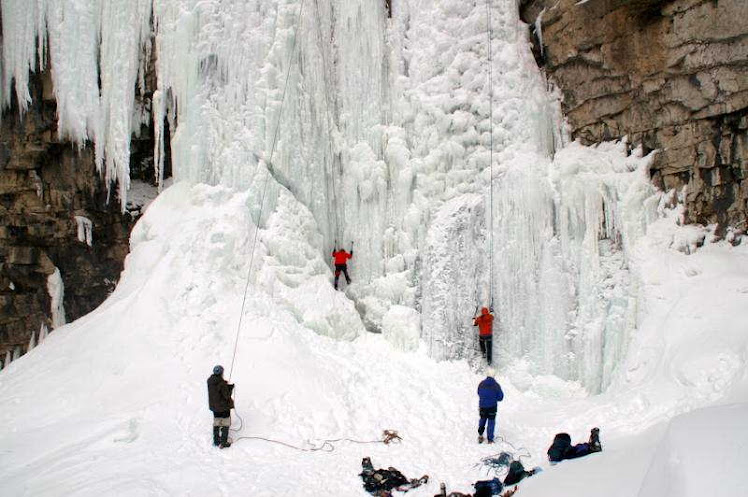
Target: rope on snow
x,y
388,437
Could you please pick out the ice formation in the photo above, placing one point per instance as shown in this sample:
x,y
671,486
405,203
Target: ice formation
x,y
56,289
85,230
379,128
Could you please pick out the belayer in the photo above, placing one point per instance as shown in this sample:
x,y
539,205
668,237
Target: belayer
x,y
490,394
484,322
341,264
221,403
562,449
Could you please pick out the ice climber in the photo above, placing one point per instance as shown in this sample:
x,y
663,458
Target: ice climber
x,y
341,264
221,403
484,322
562,449
490,394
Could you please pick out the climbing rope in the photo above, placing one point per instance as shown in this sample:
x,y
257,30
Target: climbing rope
x,y
489,33
265,186
388,437
501,461
330,123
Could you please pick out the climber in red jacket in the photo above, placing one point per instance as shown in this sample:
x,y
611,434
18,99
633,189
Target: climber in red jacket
x,y
341,258
484,322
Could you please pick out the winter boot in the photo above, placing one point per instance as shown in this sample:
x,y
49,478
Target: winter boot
x,y
480,439
216,436
225,437
442,490
595,440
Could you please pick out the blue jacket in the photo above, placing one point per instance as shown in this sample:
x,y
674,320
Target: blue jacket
x,y
490,393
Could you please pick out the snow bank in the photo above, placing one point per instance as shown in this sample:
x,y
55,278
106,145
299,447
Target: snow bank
x,y
702,452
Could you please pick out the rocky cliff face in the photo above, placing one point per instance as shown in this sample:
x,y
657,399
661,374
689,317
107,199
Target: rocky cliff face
x,y
49,190
672,75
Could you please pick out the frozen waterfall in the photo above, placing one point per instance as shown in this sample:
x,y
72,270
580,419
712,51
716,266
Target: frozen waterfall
x,y
383,136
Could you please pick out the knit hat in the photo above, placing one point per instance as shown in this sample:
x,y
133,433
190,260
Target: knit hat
x,y
490,372
218,369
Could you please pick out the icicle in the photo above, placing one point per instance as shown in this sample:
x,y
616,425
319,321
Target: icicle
x,y
85,230
539,30
89,42
125,28
32,341
8,358
24,39
56,290
16,352
158,114
43,332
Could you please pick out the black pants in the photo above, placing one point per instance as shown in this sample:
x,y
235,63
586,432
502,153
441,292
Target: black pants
x,y
344,269
486,347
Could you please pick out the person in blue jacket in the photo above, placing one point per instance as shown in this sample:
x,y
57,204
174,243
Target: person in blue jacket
x,y
490,394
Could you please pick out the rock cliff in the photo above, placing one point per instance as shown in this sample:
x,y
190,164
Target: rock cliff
x,y
49,192
671,75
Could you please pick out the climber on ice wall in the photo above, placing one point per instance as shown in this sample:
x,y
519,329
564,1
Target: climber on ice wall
x,y
341,263
484,322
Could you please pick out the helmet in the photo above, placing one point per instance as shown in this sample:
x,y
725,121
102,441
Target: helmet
x,y
218,369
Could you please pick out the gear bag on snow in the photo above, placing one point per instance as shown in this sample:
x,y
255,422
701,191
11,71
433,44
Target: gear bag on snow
x,y
379,482
494,485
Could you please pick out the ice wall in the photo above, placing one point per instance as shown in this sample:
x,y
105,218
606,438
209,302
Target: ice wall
x,y
96,51
381,128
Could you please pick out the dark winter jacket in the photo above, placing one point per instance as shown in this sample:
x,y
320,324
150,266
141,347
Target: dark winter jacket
x,y
219,395
490,393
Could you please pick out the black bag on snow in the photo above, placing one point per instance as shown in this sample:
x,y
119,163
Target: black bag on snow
x,y
494,486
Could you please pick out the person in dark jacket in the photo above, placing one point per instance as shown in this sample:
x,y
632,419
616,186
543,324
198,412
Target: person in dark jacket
x,y
341,264
490,394
562,449
221,403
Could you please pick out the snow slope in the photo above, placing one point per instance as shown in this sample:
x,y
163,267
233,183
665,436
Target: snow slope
x,y
115,402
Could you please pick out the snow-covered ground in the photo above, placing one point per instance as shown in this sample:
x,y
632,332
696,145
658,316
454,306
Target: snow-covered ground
x,y
115,403
610,313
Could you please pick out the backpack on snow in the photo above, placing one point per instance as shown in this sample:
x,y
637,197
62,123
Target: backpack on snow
x,y
494,486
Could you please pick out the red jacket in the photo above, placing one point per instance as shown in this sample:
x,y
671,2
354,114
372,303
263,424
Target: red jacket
x,y
484,322
341,256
